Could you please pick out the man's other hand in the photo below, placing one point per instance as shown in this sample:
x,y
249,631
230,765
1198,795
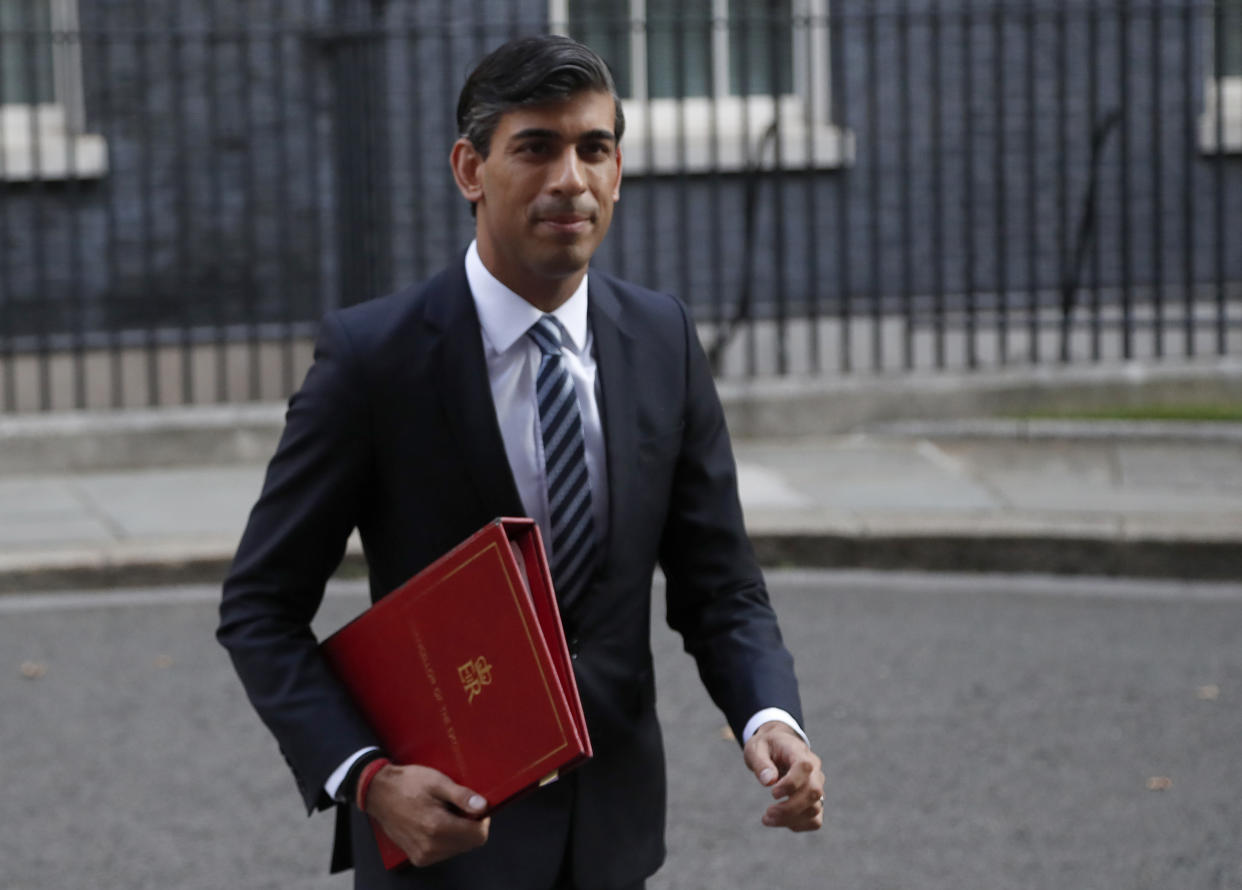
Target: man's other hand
x,y
426,813
783,762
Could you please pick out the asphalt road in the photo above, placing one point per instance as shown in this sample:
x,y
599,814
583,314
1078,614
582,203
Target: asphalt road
x,y
986,732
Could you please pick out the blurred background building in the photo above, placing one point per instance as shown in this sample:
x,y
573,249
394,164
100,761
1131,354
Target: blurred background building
x,y
833,186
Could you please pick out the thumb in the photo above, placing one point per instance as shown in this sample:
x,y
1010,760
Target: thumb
x,y
469,802
761,764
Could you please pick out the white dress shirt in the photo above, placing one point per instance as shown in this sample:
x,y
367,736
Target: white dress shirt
x,y
512,366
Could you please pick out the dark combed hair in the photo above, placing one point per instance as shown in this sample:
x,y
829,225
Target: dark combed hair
x,y
529,71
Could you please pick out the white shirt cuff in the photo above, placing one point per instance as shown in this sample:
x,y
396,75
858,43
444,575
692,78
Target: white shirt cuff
x,y
767,715
333,785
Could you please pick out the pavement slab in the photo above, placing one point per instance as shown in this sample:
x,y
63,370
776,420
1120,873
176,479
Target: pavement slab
x,y
940,498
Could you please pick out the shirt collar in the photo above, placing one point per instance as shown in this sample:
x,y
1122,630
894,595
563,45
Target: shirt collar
x,y
505,317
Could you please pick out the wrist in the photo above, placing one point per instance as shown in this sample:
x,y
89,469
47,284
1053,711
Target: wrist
x,y
348,789
369,772
774,726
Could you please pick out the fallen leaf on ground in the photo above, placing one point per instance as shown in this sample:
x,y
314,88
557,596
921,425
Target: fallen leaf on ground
x,y
33,670
1159,783
1211,692
727,734
163,661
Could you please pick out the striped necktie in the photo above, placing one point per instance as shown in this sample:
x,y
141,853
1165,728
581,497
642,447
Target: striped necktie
x,y
564,453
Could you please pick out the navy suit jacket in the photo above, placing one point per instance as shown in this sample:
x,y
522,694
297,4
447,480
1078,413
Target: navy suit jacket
x,y
394,432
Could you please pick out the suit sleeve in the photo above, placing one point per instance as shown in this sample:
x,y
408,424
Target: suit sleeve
x,y
294,540
717,599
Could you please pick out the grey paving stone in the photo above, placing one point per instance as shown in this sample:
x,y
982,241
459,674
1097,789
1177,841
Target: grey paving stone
x,y
174,503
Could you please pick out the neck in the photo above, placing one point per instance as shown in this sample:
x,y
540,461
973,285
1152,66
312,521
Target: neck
x,y
545,293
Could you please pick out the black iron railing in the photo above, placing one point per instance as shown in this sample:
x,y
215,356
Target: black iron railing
x,y
833,186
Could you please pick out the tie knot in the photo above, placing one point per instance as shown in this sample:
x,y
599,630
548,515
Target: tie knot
x,y
547,335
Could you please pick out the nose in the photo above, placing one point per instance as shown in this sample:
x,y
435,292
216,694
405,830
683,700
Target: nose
x,y
567,176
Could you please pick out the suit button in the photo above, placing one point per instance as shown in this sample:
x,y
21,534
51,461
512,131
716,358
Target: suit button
x,y
573,647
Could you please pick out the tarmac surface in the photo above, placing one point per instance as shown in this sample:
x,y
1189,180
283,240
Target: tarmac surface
x,y
1132,499
977,731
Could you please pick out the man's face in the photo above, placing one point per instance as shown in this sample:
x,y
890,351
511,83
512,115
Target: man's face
x,y
545,192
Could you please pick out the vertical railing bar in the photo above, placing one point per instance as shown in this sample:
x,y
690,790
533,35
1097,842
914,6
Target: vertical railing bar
x,y
841,90
363,48
343,221
773,30
1123,74
1188,175
184,257
280,36
651,215
151,310
1093,86
1218,175
714,184
622,24
215,259
969,279
246,43
360,26
1032,189
906,231
810,196
110,290
380,180
684,288
999,173
449,72
314,162
873,196
77,279
1062,137
38,214
417,163
617,26
937,163
1157,176
7,333
748,286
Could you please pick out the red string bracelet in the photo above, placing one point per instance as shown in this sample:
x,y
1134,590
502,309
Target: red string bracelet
x,y
369,772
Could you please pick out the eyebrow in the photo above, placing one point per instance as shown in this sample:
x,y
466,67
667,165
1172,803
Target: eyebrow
x,y
543,133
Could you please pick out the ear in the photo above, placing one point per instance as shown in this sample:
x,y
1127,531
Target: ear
x,y
467,166
616,188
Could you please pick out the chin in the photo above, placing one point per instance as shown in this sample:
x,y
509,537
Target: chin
x,y
567,260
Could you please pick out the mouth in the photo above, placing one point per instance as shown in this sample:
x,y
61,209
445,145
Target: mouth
x,y
566,222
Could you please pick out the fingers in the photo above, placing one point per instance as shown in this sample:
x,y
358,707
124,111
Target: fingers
x,y
803,778
426,814
784,815
800,796
795,777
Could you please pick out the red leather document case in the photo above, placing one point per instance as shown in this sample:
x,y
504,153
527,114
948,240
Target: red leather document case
x,y
464,668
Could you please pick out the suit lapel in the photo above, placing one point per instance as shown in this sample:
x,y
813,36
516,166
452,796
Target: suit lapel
x,y
614,355
461,379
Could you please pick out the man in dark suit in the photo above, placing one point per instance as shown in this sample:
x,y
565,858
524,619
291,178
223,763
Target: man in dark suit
x,y
510,384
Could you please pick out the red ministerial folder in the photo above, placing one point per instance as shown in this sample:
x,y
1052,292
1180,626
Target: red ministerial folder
x,y
464,668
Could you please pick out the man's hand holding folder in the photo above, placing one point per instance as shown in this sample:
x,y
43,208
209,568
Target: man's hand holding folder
x,y
465,676
428,815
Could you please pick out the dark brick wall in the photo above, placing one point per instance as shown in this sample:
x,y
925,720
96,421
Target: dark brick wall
x,y
236,164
